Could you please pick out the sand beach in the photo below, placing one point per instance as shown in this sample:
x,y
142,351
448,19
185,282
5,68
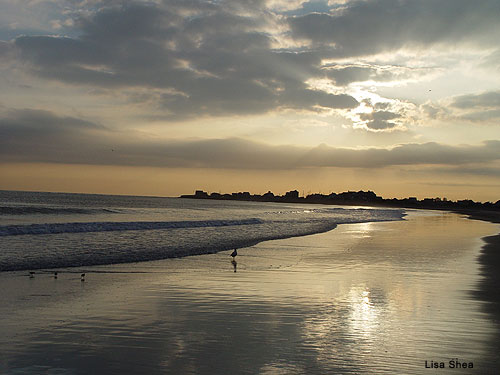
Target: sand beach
x,y
374,298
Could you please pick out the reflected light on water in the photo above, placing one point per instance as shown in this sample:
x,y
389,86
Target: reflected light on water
x,y
363,319
363,230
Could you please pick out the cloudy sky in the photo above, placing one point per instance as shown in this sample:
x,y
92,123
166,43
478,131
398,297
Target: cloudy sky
x,y
164,97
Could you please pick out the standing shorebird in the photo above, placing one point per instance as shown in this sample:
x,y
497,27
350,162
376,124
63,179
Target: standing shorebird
x,y
32,275
55,275
234,253
82,277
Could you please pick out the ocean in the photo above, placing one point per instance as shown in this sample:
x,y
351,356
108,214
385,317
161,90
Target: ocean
x,y
52,230
387,293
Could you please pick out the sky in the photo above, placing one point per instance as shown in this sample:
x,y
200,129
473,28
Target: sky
x,y
163,97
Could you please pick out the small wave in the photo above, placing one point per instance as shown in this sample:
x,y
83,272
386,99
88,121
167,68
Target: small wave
x,y
41,210
36,229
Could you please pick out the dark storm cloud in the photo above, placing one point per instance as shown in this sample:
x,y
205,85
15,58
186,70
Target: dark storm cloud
x,y
207,58
367,27
39,136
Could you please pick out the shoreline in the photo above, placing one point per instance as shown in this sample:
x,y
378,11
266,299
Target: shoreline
x,y
199,250
487,290
489,260
295,304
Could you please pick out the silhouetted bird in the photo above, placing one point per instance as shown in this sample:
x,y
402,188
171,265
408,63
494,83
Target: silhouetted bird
x,y
55,275
234,253
82,277
32,274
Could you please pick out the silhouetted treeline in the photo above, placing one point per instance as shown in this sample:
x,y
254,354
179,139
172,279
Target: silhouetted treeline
x,y
357,198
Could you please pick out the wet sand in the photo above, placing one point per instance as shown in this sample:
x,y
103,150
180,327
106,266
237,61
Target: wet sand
x,y
488,288
372,298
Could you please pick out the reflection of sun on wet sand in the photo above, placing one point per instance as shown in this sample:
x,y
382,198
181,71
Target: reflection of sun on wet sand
x,y
347,301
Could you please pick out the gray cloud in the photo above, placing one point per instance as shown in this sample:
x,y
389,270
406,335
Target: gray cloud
x,y
490,99
4,48
207,57
368,27
387,116
379,120
346,74
191,58
478,108
7,53
41,123
468,170
39,136
434,110
492,61
481,116
28,135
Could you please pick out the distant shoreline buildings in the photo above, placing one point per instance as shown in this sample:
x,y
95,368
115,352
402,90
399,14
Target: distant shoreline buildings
x,y
352,198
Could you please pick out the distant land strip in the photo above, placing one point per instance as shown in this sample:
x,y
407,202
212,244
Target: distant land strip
x,y
351,198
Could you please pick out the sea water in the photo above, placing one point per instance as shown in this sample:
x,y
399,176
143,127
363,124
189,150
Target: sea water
x,y
366,298
51,230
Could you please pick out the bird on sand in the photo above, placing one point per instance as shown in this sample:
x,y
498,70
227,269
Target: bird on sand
x,y
234,253
32,274
82,277
55,275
